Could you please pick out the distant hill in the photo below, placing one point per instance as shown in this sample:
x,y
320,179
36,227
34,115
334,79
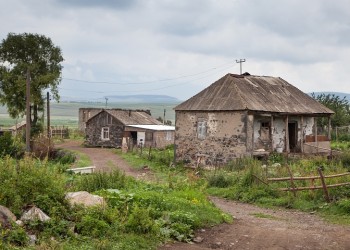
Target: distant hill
x,y
130,99
340,94
142,98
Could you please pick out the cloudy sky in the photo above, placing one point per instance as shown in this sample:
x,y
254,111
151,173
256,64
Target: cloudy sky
x,y
179,47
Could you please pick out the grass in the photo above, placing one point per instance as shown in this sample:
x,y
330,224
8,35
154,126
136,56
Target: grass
x,y
265,216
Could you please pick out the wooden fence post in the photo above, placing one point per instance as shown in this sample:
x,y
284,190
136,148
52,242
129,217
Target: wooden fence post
x,y
291,180
325,190
149,153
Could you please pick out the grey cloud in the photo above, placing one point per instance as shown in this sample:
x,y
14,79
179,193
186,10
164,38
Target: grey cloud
x,y
114,4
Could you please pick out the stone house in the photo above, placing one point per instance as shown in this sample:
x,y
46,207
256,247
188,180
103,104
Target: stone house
x,y
246,115
127,128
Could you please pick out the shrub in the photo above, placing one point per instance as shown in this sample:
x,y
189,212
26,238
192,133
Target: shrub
x,y
90,226
100,180
23,182
221,180
63,156
140,221
10,146
345,159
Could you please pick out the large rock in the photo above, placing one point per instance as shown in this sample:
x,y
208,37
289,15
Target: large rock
x,y
6,217
34,213
84,198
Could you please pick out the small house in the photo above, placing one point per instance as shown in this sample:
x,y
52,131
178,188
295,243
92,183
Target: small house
x,y
127,128
246,115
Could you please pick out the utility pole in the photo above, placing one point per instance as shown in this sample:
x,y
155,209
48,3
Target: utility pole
x,y
48,115
28,115
106,101
164,117
240,61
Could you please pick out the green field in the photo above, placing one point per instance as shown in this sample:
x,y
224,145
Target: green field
x,y
66,113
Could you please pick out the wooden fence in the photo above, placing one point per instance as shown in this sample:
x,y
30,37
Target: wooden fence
x,y
59,131
312,179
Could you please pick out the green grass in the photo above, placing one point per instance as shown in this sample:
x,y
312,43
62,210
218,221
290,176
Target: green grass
x,y
264,216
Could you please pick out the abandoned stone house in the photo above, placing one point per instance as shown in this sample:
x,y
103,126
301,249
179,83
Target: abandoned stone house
x,y
126,128
246,115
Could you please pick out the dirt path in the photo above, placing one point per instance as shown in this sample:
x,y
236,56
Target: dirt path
x,y
105,160
253,228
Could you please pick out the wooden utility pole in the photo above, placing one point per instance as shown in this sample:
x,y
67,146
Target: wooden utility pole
x,y
48,115
28,115
240,61
164,117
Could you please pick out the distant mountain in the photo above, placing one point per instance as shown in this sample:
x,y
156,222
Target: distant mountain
x,y
340,94
142,98
126,99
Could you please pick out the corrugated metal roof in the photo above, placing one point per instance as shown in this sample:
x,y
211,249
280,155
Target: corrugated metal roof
x,y
132,117
256,93
154,127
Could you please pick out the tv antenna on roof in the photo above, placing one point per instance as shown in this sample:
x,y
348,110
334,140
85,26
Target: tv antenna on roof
x,y
240,61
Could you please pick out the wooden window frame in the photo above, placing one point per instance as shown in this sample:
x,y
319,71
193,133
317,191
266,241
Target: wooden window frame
x,y
105,134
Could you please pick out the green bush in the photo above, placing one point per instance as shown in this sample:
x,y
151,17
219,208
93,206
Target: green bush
x,y
140,221
100,180
63,156
90,226
220,179
345,159
28,181
16,236
10,146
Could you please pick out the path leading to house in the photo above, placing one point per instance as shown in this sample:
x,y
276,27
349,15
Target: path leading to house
x,y
105,160
253,228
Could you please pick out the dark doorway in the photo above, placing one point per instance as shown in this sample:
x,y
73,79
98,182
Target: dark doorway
x,y
293,136
134,137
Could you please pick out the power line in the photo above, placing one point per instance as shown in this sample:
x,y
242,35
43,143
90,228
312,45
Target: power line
x,y
147,82
142,90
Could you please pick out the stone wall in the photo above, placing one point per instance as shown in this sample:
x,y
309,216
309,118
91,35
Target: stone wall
x,y
225,136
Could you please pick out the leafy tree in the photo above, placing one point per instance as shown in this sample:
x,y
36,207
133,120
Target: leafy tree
x,y
340,106
37,55
167,122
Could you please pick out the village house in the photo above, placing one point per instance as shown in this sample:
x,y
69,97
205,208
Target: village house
x,y
127,128
246,115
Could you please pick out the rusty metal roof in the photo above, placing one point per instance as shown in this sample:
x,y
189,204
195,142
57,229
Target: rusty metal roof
x,y
256,93
134,117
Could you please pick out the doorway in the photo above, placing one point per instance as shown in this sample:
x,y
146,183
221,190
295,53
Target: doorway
x,y
293,136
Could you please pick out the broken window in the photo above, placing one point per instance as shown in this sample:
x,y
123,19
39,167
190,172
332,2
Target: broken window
x,y
201,129
149,136
105,133
265,131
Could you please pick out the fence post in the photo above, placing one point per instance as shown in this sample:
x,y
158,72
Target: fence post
x,y
325,190
291,181
149,153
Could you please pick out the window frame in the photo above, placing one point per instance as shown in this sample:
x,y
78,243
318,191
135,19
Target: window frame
x,y
201,129
105,131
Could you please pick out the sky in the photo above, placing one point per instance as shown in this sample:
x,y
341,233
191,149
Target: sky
x,y
179,47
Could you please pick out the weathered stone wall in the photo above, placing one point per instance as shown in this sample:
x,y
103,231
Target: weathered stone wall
x,y
84,115
94,128
225,136
161,139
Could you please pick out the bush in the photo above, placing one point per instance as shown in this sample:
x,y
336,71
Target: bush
x,y
90,226
100,180
63,156
10,146
220,180
23,182
345,159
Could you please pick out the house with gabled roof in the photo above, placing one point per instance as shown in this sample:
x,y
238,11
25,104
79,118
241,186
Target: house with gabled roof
x,y
247,115
126,128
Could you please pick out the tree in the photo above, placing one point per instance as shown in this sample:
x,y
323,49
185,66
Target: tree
x,y
37,55
340,106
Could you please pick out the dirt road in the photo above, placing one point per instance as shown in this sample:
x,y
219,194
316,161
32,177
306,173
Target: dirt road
x,y
253,228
